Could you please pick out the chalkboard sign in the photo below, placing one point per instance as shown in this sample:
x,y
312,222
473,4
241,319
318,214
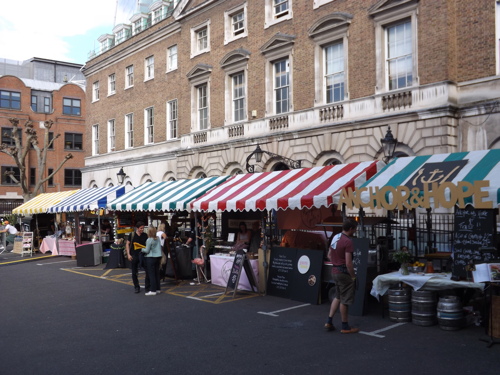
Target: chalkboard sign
x,y
240,262
306,282
295,274
360,263
474,229
281,271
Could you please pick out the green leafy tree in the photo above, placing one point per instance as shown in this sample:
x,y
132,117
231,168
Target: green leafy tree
x,y
18,151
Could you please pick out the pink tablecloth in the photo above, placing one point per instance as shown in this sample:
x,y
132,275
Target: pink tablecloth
x,y
49,244
67,247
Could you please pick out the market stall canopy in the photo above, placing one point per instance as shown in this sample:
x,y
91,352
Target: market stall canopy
x,y
281,190
463,177
41,203
165,195
90,199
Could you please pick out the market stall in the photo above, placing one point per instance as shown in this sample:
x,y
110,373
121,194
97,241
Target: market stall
x,y
464,185
152,198
86,200
292,192
39,205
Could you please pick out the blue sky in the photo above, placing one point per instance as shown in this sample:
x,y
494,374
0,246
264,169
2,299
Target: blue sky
x,y
61,30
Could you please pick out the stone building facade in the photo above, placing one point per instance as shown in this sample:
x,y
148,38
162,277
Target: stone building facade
x,y
40,90
195,86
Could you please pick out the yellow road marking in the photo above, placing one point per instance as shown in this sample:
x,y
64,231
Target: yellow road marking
x,y
26,259
202,292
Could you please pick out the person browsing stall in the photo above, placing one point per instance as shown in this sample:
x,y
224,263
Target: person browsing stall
x,y
11,232
341,255
152,259
135,242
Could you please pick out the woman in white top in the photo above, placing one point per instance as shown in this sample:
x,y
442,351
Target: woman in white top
x,y
161,234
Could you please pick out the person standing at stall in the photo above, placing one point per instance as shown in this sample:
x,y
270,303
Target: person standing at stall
x,y
152,258
11,233
135,242
341,255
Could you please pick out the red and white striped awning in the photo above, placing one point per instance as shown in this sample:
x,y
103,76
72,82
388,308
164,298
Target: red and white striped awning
x,y
290,189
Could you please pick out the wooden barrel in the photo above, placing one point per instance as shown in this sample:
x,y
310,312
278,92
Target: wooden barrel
x,y
423,307
400,305
450,313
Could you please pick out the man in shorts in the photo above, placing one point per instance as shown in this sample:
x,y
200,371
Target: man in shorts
x,y
341,254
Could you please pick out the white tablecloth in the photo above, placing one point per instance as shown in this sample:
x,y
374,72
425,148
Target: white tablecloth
x,y
220,268
429,281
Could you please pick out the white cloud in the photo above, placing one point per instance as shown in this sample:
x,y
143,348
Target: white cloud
x,y
32,28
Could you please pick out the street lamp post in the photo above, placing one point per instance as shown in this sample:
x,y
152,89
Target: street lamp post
x,y
121,176
389,144
258,152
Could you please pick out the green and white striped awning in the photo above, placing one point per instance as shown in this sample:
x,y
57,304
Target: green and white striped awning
x,y
464,167
165,195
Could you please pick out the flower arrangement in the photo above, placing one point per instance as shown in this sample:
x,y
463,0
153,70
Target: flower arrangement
x,y
402,257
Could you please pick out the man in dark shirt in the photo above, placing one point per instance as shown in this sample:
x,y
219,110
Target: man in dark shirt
x,y
135,242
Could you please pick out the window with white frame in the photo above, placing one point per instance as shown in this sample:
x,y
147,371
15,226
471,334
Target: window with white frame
x,y
330,55
235,65
149,68
120,36
278,73
200,39
172,117
95,139
202,95
199,78
281,86
235,23
277,11
334,79
111,84
172,58
138,26
399,55
129,130
395,45
111,135
129,76
158,15
95,91
149,125
239,97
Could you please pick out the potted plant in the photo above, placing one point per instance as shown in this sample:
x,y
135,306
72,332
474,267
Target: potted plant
x,y
403,257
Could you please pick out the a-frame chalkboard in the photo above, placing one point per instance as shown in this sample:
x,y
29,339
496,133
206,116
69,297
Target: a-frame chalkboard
x,y
360,263
240,262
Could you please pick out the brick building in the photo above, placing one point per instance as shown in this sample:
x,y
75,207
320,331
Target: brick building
x,y
41,90
190,88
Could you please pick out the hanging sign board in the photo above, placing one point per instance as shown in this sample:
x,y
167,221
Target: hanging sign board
x,y
474,229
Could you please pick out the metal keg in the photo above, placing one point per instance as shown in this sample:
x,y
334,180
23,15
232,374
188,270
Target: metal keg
x,y
400,305
423,307
450,313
